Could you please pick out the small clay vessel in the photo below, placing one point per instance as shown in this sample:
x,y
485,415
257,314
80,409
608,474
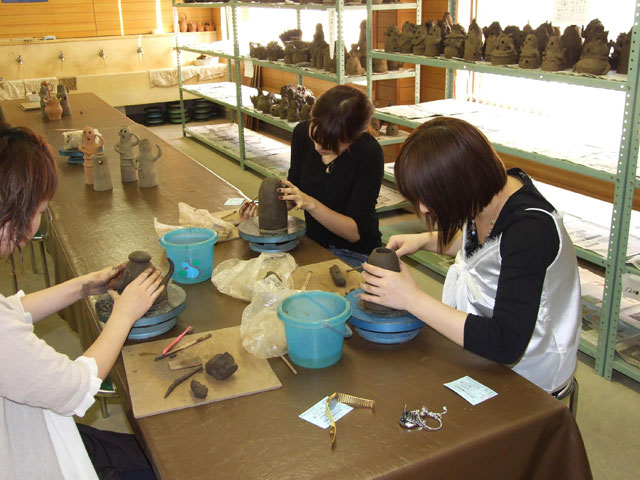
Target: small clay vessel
x,y
384,258
379,65
146,164
101,174
52,108
138,262
272,212
392,129
221,366
504,52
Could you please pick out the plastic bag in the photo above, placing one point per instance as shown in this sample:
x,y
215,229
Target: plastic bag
x,y
236,277
261,331
189,216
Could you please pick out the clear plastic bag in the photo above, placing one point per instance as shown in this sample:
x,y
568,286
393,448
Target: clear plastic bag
x,y
236,277
189,216
261,331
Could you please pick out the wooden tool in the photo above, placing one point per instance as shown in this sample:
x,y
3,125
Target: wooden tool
x,y
180,363
354,269
178,381
190,344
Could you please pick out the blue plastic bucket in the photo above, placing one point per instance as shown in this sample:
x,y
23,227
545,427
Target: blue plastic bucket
x,y
191,250
314,324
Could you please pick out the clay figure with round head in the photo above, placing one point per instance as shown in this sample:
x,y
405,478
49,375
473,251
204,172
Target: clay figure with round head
x,y
126,141
89,145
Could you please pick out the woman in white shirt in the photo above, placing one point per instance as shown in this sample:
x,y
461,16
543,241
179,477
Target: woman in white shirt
x,y
40,389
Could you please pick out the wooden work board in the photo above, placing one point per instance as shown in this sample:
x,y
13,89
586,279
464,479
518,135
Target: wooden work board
x,y
149,379
321,278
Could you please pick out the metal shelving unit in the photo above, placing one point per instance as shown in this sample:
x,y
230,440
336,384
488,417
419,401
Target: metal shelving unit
x,y
623,177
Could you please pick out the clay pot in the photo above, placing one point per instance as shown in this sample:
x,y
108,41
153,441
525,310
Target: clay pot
x,y
384,258
200,27
53,109
138,262
182,23
272,212
191,27
208,27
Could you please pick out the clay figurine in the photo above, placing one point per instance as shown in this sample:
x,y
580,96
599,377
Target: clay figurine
x,y
182,22
362,44
293,112
491,34
288,52
292,34
454,42
621,51
272,212
543,33
89,148
353,66
301,53
406,37
44,93
127,140
305,112
517,36
146,164
221,366
257,51
392,45
375,127
275,110
139,261
101,173
529,55
264,102
595,31
504,52
317,47
554,56
384,258
379,65
594,58
199,390
473,43
284,107
63,96
572,43
419,40
392,130
274,51
434,41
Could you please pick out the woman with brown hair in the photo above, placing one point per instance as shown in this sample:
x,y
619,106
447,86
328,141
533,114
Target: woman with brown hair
x,y
513,294
40,389
335,174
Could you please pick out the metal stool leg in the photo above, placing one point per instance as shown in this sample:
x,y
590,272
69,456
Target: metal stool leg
x,y
573,399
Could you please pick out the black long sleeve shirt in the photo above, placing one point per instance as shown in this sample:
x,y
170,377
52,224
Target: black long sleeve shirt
x,y
528,246
351,188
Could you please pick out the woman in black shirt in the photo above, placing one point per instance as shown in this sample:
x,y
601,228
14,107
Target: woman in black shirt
x,y
335,174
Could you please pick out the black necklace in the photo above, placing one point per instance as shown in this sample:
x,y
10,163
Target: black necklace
x,y
329,167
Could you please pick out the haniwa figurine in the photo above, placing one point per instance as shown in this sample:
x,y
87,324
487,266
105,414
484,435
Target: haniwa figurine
x,y
124,147
146,164
89,147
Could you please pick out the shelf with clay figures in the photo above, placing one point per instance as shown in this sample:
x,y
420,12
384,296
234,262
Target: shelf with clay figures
x,y
582,147
610,81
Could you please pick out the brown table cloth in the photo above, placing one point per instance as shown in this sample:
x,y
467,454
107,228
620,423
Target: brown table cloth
x,y
521,433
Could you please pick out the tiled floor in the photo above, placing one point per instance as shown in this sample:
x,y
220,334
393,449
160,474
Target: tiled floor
x,y
608,411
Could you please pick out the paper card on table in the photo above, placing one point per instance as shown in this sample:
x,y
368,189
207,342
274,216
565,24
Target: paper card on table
x,y
234,201
471,390
317,413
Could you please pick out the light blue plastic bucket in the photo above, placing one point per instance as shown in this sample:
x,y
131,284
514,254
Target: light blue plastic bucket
x,y
314,324
191,250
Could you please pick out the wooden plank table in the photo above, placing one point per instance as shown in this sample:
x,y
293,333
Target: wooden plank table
x,y
521,433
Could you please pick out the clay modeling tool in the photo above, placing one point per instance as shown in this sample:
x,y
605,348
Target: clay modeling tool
x,y
180,363
178,338
178,381
337,275
288,364
190,344
355,269
226,215
307,278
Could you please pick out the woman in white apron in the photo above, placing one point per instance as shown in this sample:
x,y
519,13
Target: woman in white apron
x,y
513,294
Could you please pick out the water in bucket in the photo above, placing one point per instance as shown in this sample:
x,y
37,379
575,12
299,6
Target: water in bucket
x,y
191,250
314,324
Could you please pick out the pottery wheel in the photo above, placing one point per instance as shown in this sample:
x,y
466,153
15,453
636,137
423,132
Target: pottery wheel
x,y
159,318
260,241
382,328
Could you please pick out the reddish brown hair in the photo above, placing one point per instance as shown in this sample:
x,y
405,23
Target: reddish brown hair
x,y
450,167
28,177
340,116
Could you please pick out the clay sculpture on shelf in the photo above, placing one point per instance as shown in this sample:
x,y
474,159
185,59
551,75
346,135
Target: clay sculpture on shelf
x,y
473,43
454,42
101,174
594,58
274,51
621,50
63,96
406,37
529,55
353,66
317,48
572,43
199,390
504,52
44,93
257,51
595,31
384,258
434,41
376,125
305,112
264,102
392,130
517,36
293,112
419,40
139,261
221,366
89,148
146,164
292,34
272,212
288,52
553,57
491,34
392,45
301,52
284,107
127,140
543,33
361,46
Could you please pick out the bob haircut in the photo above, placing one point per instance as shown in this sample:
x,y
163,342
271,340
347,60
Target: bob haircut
x,y
340,116
449,166
28,177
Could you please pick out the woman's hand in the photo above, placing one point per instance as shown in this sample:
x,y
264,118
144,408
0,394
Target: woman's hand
x,y
247,210
97,282
385,287
138,296
406,244
291,193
